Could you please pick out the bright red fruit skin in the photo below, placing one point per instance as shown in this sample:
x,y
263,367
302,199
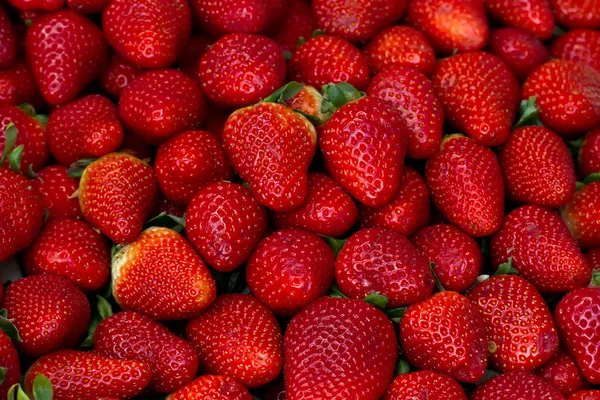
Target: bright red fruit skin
x,y
299,22
18,86
562,373
37,5
520,50
582,216
516,385
576,14
56,189
8,43
31,133
534,16
424,385
88,6
10,361
213,387
589,153
586,395
118,74
578,45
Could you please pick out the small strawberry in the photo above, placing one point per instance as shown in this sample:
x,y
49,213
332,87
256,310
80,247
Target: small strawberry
x,y
582,216
118,74
37,5
424,385
586,395
88,6
8,41
9,364
520,50
17,86
516,385
562,373
589,153
213,387
30,134
56,188
576,14
189,61
339,348
240,337
534,16
578,45
299,22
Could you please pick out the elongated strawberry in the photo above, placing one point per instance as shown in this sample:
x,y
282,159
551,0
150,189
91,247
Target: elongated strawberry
x,y
520,50
56,189
37,5
118,74
30,134
589,153
18,86
582,215
562,373
576,14
516,385
88,6
213,387
534,16
299,22
581,45
339,347
9,364
424,385
586,395
8,46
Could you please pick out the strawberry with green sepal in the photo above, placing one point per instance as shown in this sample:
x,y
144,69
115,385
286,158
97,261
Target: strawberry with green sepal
x,y
8,46
215,387
9,364
516,385
299,22
562,372
520,50
589,153
582,215
424,385
29,150
581,45
576,14
118,74
56,189
534,16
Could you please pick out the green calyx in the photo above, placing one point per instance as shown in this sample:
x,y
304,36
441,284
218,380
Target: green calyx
x,y
506,268
2,374
42,390
377,299
165,220
438,284
529,113
403,367
592,178
76,169
11,153
396,314
595,282
336,245
7,326
337,95
103,310
284,93
336,293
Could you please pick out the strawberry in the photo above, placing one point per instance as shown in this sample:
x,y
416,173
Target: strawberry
x,y
589,153
240,69
466,185
161,276
240,337
132,336
189,61
568,95
49,312
586,395
116,194
534,16
407,212
412,94
520,50
31,134
578,45
71,249
148,33
56,188
479,95
85,128
9,364
189,161
118,74
456,258
538,168
271,147
400,46
582,216
289,269
89,376
516,385
593,258
329,59
363,144
562,372
213,387
8,42
37,5
576,14
62,75
339,348
299,22
88,6
17,86
424,385
541,249
159,104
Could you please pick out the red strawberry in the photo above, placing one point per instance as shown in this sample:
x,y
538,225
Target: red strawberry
x,y
89,376
578,45
118,74
363,144
593,258
132,336
466,185
479,94
516,385
400,46
582,216
586,395
289,269
589,153
329,59
542,250
562,373
17,86
241,69
339,348
189,61
271,147
31,134
37,5
9,364
240,337
299,22
49,312
568,95
61,75
424,385
520,50
534,16
116,194
88,6
8,42
576,13
56,188
456,257
161,276
412,94
159,104
538,168
212,387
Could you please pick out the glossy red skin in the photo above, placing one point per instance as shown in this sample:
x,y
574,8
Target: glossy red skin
x,y
520,50
61,75
366,129
88,6
161,103
118,74
189,61
424,385
581,45
188,162
542,250
22,213
89,376
161,276
466,185
31,133
8,43
534,16
479,95
586,395
37,5
339,348
49,311
576,14
589,153
516,385
456,256
582,216
329,59
271,147
132,336
412,94
299,22
239,336
10,361
289,269
241,69
538,168
568,95
214,387
17,86
327,210
562,373
593,258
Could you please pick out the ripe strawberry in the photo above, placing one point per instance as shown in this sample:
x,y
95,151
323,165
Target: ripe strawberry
x,y
37,5
49,312
582,216
8,42
61,75
456,257
161,276
159,104
241,69
271,147
299,22
240,337
89,376
586,395
578,45
516,385
56,188
17,86
189,61
424,385
412,94
213,387
132,336
479,94
542,250
339,348
568,95
576,14
289,269
520,50
31,134
118,74
562,373
116,194
329,59
9,364
589,153
534,16
88,6
466,185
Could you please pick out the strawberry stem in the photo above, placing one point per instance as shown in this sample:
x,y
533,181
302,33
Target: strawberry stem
x,y
377,299
336,245
506,268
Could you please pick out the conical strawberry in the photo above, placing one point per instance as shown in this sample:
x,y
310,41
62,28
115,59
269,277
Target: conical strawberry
x,y
212,387
31,134
424,385
56,189
516,385
582,216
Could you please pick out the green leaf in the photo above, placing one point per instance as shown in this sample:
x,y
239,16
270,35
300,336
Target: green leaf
x,y
378,300
506,268
438,284
11,391
403,367
104,308
76,169
336,245
15,157
595,282
335,95
592,178
579,185
2,374
300,42
165,220
529,113
88,342
335,292
318,32
42,388
557,31
284,93
10,136
43,118
28,109
396,314
7,326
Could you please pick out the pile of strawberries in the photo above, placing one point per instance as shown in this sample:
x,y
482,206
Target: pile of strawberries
x,y
284,199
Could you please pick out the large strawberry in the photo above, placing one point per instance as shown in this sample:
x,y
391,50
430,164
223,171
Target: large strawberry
x,y
18,86
213,387
562,372
118,74
424,385
589,153
582,215
299,22
534,16
56,189
516,385
578,45
9,364
520,50
576,14
30,133
339,348
8,42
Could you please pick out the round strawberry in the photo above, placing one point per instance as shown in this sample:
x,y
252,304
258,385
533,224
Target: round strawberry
x,y
424,385
9,364
562,372
520,50
589,153
582,216
299,22
516,385
578,45
57,188
576,13
118,74
31,134
213,387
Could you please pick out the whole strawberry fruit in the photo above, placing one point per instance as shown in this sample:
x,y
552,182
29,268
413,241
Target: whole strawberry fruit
x,y
299,22
534,16
9,366
582,216
520,50
589,153
424,385
562,372
56,189
516,385
576,14
578,45
213,387
31,134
